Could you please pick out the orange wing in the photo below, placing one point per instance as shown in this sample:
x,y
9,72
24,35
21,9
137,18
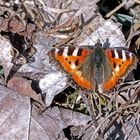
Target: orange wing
x,y
71,60
122,62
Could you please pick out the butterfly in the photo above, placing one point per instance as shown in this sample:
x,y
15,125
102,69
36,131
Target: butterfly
x,y
94,67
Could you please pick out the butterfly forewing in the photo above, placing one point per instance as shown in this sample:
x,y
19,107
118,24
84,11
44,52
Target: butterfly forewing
x,y
71,59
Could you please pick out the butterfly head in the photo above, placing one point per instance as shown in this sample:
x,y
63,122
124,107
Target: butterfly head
x,y
98,44
98,54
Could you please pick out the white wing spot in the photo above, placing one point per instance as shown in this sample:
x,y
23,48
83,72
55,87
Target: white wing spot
x,y
75,52
56,50
116,54
73,66
130,54
65,52
117,68
123,55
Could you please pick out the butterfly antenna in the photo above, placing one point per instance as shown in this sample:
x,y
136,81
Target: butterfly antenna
x,y
114,39
114,30
89,37
112,33
100,36
99,32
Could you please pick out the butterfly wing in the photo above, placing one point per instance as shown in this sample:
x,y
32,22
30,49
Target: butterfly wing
x,y
121,62
71,59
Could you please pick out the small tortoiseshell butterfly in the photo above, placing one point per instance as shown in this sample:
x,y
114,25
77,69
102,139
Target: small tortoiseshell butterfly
x,y
94,67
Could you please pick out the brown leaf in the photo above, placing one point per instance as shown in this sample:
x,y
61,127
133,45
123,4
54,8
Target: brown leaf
x,y
22,86
52,84
5,55
50,124
14,115
136,26
138,43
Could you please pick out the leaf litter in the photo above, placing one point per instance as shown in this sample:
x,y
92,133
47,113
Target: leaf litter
x,y
29,29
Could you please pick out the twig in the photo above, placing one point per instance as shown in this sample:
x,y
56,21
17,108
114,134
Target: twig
x,y
113,113
89,107
125,106
137,1
131,36
116,9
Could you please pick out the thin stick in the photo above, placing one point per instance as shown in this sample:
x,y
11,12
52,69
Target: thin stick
x,y
113,113
124,106
116,9
137,1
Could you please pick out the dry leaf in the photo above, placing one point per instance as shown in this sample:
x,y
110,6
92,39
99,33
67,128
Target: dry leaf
x,y
14,115
50,124
52,84
108,30
5,55
22,86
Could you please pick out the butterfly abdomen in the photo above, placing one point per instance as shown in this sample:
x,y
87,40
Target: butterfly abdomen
x,y
98,59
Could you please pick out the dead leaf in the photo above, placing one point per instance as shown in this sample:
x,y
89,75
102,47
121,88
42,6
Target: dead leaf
x,y
5,55
52,84
14,115
50,124
136,26
108,30
22,86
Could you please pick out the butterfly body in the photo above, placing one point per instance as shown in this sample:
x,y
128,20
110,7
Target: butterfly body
x,y
96,67
93,67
